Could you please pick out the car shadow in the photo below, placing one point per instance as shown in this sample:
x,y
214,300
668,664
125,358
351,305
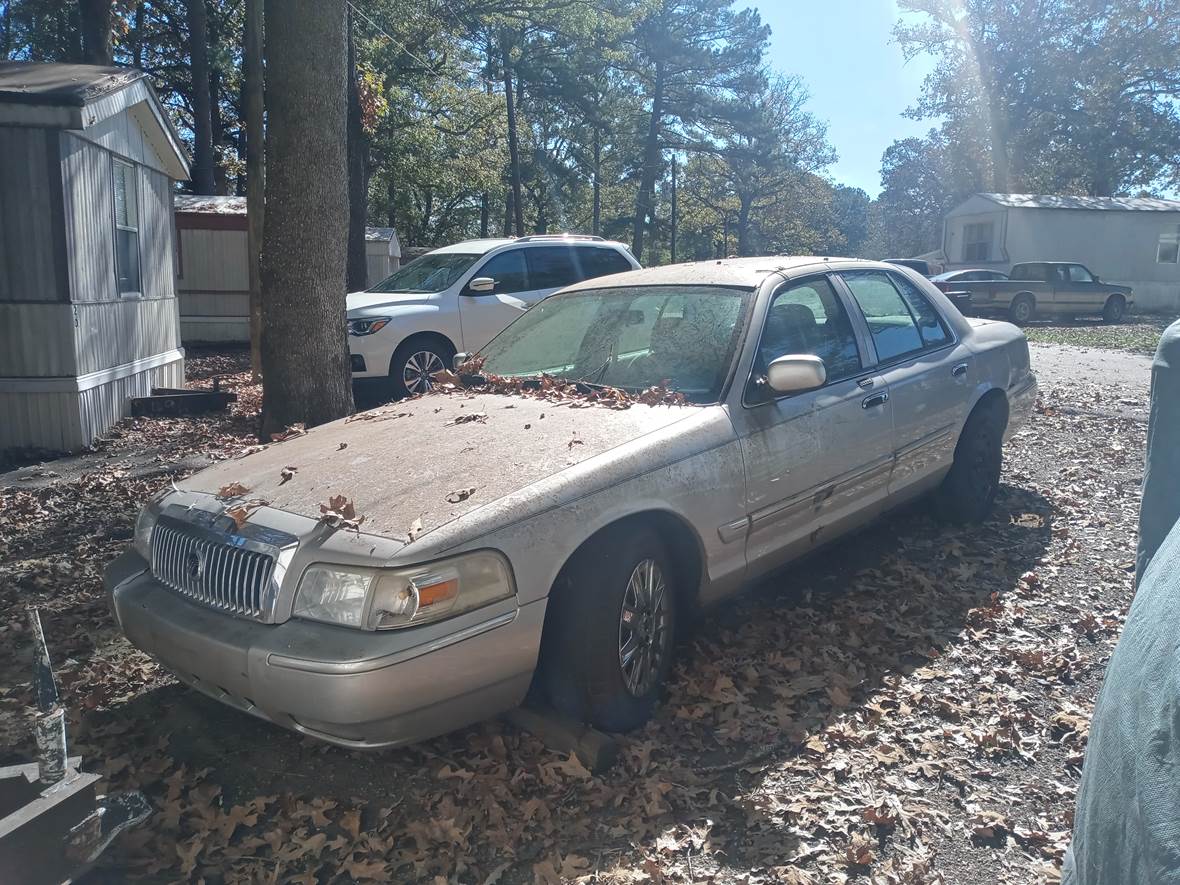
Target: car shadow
x,y
756,680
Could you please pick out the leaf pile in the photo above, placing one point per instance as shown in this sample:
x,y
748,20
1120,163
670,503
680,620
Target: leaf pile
x,y
910,707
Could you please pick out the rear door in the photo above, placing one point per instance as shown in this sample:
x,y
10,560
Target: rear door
x,y
818,462
927,372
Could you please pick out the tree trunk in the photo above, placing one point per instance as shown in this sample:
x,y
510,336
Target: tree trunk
x,y
645,198
305,368
596,218
96,31
137,38
198,46
483,215
358,177
513,150
252,54
743,226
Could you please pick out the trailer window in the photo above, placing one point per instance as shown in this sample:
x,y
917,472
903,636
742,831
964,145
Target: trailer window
x,y
126,228
1168,250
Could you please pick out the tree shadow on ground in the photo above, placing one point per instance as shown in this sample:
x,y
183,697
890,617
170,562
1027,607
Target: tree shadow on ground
x,y
759,678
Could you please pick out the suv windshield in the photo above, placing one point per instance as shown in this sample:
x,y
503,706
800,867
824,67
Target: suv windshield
x,y
681,337
432,272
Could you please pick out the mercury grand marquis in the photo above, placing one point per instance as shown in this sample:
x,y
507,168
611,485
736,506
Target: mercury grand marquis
x,y
413,569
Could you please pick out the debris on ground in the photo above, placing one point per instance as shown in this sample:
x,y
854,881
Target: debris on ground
x,y
911,706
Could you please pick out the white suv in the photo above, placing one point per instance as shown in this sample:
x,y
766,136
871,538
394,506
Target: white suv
x,y
409,326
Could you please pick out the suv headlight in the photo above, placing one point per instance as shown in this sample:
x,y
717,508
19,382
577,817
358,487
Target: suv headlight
x,y
388,598
146,521
367,325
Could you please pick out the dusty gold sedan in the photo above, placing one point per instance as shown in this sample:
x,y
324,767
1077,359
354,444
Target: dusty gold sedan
x,y
630,449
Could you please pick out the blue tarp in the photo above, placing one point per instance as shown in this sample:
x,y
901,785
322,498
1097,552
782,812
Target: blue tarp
x,y
1127,824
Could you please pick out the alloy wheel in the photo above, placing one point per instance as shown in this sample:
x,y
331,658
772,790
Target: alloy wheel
x,y
419,370
643,628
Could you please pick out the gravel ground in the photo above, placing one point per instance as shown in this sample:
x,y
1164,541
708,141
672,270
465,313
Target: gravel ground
x,y
909,706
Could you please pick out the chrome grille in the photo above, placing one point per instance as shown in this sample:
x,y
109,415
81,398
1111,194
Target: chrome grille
x,y
216,573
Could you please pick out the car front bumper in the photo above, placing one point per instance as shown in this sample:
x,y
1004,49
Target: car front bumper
x,y
1022,398
349,687
374,351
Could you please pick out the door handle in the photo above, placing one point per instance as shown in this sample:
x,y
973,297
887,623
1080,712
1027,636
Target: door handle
x,y
959,371
875,399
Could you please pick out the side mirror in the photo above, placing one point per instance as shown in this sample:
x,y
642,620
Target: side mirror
x,y
459,359
796,373
480,285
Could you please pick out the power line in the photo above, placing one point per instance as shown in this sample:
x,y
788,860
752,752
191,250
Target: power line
x,y
387,35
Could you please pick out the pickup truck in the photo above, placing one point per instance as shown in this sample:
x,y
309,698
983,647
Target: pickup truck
x,y
1053,288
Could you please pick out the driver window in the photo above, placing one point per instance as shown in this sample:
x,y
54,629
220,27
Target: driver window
x,y
508,270
809,319
1079,274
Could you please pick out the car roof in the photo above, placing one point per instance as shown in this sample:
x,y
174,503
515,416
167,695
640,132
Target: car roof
x,y
950,273
482,247
746,273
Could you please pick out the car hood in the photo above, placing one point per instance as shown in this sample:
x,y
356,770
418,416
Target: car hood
x,y
431,459
368,300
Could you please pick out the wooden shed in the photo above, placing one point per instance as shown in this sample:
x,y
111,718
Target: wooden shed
x,y
213,271
88,314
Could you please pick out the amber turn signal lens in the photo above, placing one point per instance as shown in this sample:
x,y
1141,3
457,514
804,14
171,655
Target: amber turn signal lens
x,y
432,594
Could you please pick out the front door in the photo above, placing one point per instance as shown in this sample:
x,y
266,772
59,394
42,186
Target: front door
x,y
927,372
817,463
1076,291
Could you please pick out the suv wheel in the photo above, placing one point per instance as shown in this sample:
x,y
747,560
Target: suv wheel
x,y
608,642
414,365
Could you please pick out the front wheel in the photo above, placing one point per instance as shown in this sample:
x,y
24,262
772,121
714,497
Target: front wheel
x,y
1115,309
969,489
608,642
414,365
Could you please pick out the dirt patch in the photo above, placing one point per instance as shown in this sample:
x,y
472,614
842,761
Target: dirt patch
x,y
910,706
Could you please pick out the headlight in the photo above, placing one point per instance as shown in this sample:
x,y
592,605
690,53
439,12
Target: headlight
x,y
384,599
367,325
145,522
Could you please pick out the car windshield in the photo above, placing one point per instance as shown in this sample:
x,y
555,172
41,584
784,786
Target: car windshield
x,y
635,337
432,272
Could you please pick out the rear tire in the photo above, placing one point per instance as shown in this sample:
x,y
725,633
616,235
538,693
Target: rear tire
x,y
1022,309
1115,309
414,362
610,630
969,489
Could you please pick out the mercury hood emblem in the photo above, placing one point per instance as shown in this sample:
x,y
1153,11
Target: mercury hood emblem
x,y
194,565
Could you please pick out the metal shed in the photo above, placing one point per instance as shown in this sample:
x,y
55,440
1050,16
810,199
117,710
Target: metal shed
x,y
88,315
1129,240
213,272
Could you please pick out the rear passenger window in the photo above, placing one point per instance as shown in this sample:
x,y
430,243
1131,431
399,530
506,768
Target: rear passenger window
x,y
551,267
934,333
596,261
894,331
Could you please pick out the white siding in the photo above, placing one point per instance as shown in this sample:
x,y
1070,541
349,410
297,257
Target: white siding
x,y
30,229
36,340
214,285
90,221
119,332
1118,246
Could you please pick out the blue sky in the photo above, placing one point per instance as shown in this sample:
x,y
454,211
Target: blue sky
x,y
858,80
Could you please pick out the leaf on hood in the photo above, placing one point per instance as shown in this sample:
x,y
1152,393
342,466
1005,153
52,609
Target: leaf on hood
x,y
233,490
287,474
239,513
340,513
445,378
574,442
342,447
416,529
290,432
460,495
481,417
